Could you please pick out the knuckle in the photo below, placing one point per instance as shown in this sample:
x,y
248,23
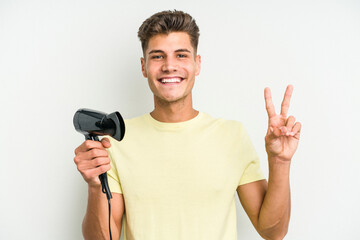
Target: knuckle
x,y
97,161
79,157
104,168
79,168
86,175
94,153
88,143
291,120
104,161
107,167
99,153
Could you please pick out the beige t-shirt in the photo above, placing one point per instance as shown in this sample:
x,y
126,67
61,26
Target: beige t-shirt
x,y
179,179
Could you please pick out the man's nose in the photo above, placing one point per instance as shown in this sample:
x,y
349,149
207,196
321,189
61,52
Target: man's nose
x,y
170,65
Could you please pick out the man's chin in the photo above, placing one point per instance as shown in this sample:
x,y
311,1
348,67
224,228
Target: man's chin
x,y
170,100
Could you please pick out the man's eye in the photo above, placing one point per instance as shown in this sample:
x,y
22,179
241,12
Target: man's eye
x,y
156,57
182,56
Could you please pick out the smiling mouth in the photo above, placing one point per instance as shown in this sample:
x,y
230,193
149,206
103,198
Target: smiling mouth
x,y
174,80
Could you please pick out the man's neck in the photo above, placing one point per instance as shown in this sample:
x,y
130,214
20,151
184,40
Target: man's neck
x,y
173,112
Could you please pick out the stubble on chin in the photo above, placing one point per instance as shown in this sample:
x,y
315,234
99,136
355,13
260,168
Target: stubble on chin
x,y
167,102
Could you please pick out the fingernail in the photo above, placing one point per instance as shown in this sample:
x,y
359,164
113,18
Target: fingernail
x,y
288,133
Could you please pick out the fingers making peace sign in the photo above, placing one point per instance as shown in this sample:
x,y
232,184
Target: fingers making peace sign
x,y
283,133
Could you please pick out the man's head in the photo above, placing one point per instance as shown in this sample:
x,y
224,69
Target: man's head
x,y
170,62
166,22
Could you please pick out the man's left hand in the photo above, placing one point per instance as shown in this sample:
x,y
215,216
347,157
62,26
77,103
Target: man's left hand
x,y
283,133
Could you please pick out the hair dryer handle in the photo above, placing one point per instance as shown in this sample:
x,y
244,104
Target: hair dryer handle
x,y
103,177
105,185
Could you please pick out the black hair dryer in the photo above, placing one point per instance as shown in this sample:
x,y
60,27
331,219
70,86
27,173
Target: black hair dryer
x,y
93,124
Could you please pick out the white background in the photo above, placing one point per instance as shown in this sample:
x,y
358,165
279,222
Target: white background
x,y
59,56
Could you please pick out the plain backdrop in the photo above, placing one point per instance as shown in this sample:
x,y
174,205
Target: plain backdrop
x,y
59,56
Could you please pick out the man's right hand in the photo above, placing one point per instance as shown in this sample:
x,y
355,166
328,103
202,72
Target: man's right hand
x,y
92,159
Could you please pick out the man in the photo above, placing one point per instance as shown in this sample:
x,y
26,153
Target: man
x,y
175,173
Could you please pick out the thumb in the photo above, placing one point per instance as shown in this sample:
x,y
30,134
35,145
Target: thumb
x,y
106,142
274,132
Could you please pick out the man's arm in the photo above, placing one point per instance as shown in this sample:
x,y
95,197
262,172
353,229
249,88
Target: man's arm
x,y
268,205
92,160
95,224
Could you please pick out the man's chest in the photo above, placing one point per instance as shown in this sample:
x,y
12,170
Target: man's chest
x,y
186,169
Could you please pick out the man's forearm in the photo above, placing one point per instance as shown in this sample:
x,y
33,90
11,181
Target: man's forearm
x,y
275,211
95,224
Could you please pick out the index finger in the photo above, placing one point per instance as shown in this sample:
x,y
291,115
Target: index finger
x,y
268,103
286,102
87,145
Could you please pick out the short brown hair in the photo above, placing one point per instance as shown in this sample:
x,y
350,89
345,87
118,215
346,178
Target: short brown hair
x,y
166,22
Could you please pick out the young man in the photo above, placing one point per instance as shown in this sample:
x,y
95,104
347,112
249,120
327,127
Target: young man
x,y
175,173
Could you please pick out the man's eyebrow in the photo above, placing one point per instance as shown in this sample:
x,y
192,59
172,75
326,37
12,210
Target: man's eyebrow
x,y
156,51
182,50
177,50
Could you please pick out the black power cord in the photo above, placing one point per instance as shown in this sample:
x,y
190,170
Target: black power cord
x,y
105,189
109,219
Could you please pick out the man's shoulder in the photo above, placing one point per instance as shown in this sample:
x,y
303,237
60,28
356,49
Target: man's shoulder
x,y
219,124
136,120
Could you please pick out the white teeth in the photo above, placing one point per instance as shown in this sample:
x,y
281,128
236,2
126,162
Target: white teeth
x,y
171,80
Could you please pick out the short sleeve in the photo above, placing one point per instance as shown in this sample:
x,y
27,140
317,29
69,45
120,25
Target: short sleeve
x,y
113,176
252,171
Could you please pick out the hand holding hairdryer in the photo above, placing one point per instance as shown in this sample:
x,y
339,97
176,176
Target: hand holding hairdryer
x,y
93,124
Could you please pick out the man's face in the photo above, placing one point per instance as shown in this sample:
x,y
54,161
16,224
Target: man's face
x,y
170,65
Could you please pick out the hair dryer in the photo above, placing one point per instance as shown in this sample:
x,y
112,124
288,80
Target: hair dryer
x,y
93,124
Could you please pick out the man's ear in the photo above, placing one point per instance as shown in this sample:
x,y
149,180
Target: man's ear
x,y
143,67
198,65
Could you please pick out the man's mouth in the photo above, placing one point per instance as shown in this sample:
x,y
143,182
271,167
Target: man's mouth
x,y
172,80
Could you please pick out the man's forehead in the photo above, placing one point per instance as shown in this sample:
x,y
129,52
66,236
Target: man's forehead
x,y
172,42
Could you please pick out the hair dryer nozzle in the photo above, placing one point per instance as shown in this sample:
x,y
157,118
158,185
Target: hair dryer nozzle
x,y
120,125
95,123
